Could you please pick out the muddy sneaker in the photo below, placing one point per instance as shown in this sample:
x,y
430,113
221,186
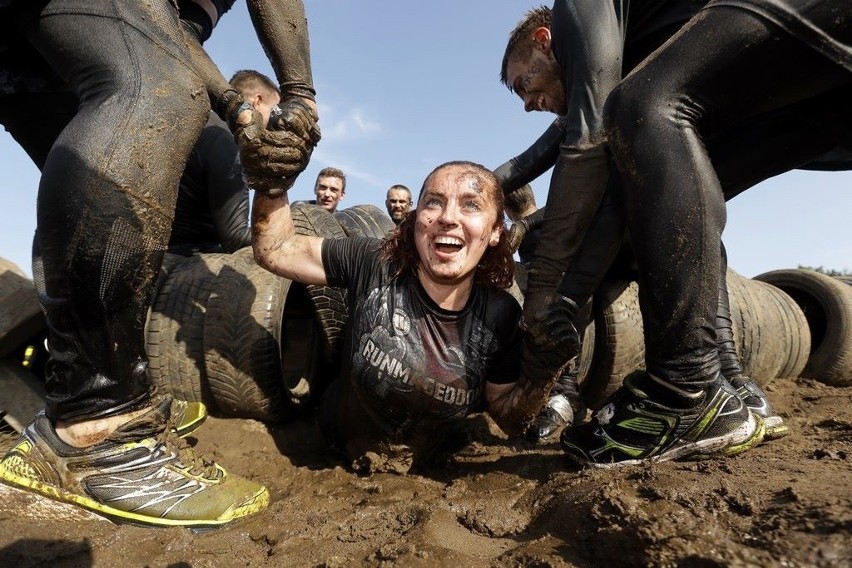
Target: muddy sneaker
x,y
757,401
555,415
141,474
187,416
633,429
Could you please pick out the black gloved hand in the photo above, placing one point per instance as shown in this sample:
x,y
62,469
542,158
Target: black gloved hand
x,y
271,159
516,235
551,327
229,106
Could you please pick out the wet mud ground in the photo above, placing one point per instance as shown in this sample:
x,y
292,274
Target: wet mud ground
x,y
494,503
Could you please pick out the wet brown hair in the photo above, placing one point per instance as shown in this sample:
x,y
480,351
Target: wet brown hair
x,y
521,41
519,200
495,268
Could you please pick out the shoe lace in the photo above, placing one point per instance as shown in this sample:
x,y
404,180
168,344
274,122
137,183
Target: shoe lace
x,y
159,425
195,463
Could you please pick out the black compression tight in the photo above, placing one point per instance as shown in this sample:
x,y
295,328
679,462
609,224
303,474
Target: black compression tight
x,y
108,188
723,68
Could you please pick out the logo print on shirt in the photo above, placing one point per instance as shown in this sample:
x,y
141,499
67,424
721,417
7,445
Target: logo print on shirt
x,y
401,322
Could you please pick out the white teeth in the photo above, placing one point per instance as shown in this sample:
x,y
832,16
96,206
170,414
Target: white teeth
x,y
448,241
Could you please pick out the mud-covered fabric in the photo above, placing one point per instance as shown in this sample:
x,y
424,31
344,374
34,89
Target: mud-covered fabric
x,y
203,15
408,363
107,191
728,68
212,212
817,23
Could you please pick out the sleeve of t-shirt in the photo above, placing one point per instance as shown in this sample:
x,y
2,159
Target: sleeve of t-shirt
x,y
351,262
505,314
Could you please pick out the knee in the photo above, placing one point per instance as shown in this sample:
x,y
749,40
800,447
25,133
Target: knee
x,y
628,110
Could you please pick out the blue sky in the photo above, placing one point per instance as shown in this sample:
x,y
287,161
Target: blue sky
x,y
405,86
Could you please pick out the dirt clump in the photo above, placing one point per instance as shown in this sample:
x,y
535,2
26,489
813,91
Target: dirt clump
x,y
496,502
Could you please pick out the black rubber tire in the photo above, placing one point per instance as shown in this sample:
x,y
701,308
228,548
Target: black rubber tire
x,y
329,303
619,344
304,373
241,340
21,315
744,321
364,221
827,306
174,337
759,343
783,320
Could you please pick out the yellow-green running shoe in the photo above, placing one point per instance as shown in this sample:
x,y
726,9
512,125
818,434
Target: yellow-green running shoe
x,y
634,428
187,416
142,474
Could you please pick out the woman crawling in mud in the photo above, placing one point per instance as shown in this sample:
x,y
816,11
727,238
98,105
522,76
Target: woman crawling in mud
x,y
432,336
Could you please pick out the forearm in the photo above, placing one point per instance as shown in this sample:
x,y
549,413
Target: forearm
x,y
283,31
276,245
533,161
513,406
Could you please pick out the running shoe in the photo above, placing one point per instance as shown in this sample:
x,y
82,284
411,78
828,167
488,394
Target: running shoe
x,y
187,416
757,401
141,474
633,429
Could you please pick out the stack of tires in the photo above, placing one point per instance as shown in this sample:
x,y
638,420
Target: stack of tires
x,y
246,342
786,323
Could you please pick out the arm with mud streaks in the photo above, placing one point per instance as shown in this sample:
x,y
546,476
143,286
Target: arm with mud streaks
x,y
278,248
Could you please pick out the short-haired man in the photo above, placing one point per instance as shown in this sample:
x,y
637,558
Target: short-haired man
x,y
259,91
683,390
330,188
398,202
212,212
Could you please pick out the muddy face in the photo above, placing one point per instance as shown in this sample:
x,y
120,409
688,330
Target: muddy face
x,y
456,223
537,78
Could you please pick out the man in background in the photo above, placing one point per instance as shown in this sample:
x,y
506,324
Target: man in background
x,y
398,202
330,188
212,213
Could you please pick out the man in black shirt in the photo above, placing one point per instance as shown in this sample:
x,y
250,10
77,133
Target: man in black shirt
x,y
105,208
570,68
212,212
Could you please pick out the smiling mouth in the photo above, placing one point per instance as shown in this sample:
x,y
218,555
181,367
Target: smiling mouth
x,y
448,244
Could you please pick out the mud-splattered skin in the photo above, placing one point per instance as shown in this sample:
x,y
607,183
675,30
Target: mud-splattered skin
x,y
456,222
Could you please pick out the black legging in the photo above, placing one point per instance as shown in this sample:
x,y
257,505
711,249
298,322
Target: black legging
x,y
724,67
108,188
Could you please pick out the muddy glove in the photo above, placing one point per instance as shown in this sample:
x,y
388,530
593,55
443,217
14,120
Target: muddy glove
x,y
295,115
271,159
551,328
519,230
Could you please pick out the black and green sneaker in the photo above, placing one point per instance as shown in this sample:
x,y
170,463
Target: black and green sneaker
x,y
141,474
757,401
634,429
